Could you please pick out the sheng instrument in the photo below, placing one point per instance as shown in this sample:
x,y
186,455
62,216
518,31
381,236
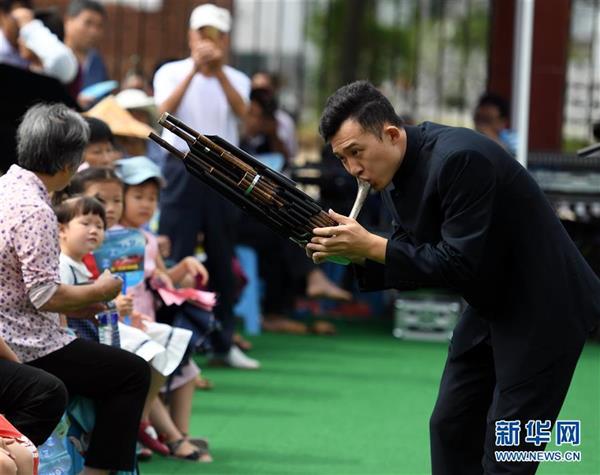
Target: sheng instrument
x,y
262,192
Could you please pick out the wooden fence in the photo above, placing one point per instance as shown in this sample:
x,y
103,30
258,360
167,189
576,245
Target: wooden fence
x,y
133,35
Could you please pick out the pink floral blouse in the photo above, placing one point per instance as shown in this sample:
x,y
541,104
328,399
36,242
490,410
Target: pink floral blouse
x,y
29,266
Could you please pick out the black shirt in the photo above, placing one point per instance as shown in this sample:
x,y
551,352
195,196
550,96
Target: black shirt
x,y
470,218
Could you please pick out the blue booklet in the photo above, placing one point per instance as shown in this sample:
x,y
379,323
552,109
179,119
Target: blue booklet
x,y
122,252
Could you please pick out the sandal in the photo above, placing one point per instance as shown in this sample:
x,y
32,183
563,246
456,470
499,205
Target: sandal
x,y
198,455
199,442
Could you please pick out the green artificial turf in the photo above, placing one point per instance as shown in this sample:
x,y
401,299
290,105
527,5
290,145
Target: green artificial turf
x,y
356,403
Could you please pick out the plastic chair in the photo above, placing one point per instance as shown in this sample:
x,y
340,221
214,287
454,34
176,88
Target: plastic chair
x,y
248,306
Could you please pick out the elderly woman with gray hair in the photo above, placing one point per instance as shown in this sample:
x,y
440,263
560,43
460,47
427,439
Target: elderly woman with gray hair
x,y
51,139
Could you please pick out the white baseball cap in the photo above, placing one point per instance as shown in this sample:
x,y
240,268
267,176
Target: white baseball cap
x,y
210,15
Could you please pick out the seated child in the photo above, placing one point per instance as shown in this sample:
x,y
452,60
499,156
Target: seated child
x,y
100,150
143,181
164,346
81,230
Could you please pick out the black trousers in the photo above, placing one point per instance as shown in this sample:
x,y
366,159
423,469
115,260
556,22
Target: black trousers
x,y
31,399
470,401
117,381
209,213
282,264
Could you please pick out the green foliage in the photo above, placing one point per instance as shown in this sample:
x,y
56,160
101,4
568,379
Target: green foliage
x,y
571,144
353,43
376,51
471,32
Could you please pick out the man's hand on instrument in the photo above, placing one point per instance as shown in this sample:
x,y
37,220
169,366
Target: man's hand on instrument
x,y
348,239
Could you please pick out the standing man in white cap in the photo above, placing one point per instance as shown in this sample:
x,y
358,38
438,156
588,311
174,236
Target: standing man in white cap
x,y
212,98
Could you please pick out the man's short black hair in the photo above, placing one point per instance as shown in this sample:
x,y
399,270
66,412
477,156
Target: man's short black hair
x,y
495,100
362,102
78,6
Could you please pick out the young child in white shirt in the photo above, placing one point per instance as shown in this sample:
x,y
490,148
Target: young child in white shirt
x,y
144,336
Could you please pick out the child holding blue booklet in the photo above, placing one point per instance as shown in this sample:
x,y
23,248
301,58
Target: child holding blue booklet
x,y
165,347
143,181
